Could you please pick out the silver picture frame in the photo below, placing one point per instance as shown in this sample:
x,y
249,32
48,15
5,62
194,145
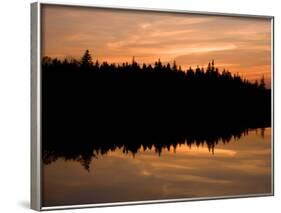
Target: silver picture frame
x,y
36,144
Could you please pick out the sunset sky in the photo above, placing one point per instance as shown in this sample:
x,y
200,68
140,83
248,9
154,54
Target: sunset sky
x,y
240,45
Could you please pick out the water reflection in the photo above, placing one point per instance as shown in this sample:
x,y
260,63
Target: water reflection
x,y
235,164
87,150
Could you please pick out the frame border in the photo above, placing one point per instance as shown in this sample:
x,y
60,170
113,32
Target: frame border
x,y
35,62
36,150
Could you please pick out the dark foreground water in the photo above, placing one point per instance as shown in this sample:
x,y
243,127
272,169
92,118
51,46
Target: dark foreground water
x,y
240,167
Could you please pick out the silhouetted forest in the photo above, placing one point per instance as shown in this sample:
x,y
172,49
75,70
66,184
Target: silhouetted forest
x,y
91,107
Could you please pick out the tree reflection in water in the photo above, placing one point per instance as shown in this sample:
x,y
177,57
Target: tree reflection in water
x,y
84,151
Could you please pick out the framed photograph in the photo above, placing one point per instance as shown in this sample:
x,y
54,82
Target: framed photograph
x,y
136,106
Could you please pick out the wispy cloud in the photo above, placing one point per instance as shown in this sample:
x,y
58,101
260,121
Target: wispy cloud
x,y
238,44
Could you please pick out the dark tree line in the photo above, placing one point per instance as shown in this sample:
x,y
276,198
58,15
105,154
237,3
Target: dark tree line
x,y
91,106
210,74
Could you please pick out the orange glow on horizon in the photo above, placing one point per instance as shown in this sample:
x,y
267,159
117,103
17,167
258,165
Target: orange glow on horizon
x,y
240,45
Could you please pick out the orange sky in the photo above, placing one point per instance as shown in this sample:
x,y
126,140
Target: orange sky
x,y
241,45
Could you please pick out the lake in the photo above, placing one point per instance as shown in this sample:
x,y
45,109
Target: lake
x,y
240,166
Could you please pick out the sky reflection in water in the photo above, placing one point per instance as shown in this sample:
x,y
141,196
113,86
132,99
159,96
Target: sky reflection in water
x,y
240,167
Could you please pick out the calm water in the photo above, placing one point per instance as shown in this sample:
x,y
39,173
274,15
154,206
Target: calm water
x,y
240,167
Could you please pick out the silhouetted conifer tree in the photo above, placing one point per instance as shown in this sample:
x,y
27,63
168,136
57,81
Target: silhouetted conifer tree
x,y
175,68
86,60
262,83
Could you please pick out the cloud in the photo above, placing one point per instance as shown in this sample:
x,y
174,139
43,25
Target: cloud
x,y
118,35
